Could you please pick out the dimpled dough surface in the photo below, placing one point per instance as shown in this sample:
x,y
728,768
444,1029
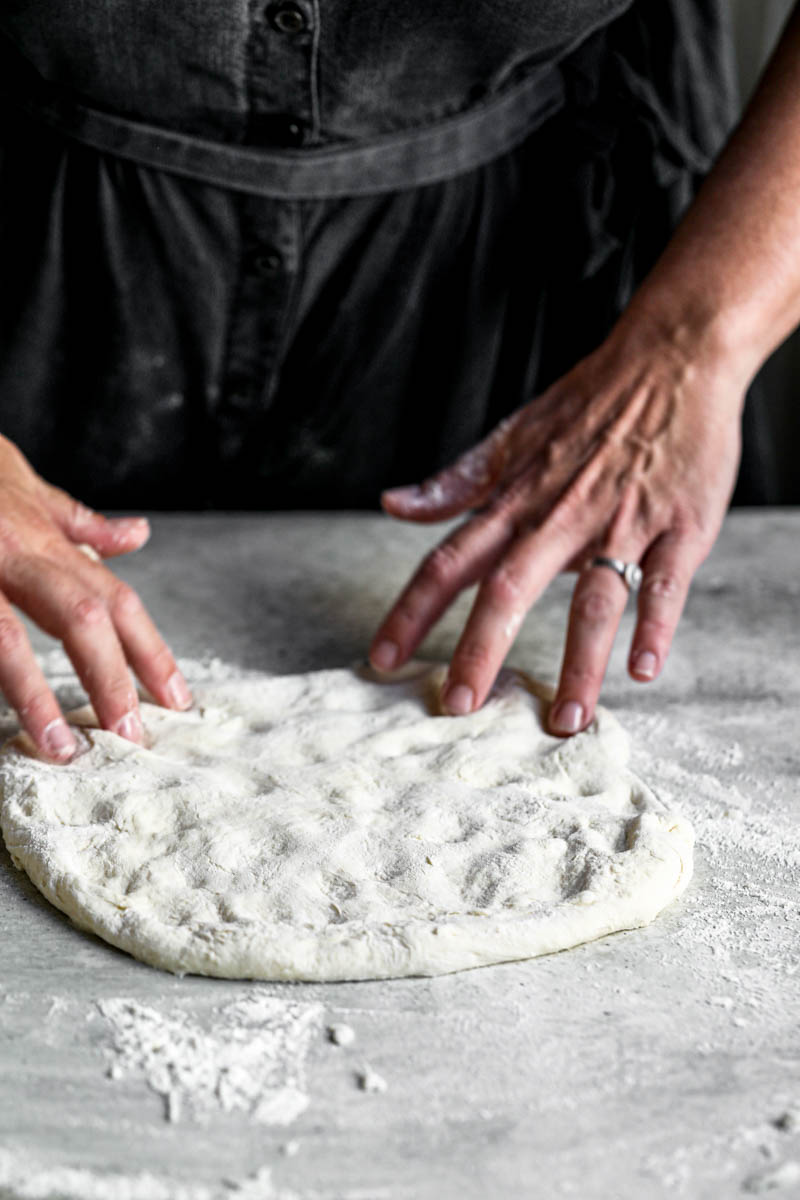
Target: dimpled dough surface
x,y
333,825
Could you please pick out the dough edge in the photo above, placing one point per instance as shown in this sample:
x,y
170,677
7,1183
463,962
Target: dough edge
x,y
375,951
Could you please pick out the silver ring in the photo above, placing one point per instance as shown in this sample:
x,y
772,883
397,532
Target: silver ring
x,y
629,572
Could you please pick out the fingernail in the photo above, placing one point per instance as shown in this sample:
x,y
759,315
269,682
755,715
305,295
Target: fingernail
x,y
384,656
129,726
124,527
131,524
567,717
177,691
459,700
57,740
412,494
645,663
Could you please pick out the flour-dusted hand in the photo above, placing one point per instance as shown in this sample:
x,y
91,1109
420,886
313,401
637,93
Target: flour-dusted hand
x,y
51,551
633,454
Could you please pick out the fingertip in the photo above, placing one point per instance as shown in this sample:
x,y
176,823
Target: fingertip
x,y
177,693
128,530
401,495
56,741
117,535
643,666
566,718
458,700
427,503
384,655
407,502
130,727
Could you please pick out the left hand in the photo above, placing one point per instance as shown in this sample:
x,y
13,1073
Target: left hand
x,y
632,454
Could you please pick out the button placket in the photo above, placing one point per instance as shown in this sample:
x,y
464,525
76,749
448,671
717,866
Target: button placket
x,y
283,111
280,74
268,273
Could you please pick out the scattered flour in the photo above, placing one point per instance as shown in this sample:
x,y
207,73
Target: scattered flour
x,y
788,1121
252,1060
737,923
371,1081
23,1179
341,1035
787,1175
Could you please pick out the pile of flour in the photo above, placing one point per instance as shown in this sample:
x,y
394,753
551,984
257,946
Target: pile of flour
x,y
22,1178
251,1060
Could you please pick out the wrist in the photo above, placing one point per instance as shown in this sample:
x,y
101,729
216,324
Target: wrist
x,y
694,333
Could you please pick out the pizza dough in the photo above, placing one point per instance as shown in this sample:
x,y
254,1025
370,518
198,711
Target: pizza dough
x,y
334,825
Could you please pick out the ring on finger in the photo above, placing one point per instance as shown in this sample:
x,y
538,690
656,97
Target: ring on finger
x,y
629,572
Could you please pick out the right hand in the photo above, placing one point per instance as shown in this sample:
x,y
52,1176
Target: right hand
x,y
51,548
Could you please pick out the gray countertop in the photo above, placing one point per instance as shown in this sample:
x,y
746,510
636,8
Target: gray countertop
x,y
659,1062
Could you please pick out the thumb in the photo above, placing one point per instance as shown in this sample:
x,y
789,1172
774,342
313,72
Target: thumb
x,y
466,483
108,536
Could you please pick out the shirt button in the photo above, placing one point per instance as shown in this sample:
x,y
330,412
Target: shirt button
x,y
267,262
287,18
294,133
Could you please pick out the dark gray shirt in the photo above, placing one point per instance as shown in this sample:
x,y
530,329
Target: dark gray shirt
x,y
336,69
270,253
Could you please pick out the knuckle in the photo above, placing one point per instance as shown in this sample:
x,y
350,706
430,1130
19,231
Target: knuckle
x,y
662,585
12,636
440,566
162,663
36,709
581,678
77,514
697,548
508,504
593,608
10,540
120,693
87,612
504,588
124,602
656,629
404,613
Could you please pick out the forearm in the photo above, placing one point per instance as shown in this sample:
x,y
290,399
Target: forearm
x,y
729,280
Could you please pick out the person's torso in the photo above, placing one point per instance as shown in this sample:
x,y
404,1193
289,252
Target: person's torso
x,y
293,72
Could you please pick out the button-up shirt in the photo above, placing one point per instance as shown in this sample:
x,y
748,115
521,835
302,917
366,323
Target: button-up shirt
x,y
261,254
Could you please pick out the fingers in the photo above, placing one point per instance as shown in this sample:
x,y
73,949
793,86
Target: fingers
x,y
107,536
145,649
24,686
598,603
468,483
668,570
103,627
505,595
77,615
50,567
454,564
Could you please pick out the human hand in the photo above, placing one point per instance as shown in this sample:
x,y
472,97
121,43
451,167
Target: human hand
x,y
633,455
50,567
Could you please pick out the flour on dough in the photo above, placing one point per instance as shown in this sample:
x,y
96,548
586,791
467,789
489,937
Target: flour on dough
x,y
333,825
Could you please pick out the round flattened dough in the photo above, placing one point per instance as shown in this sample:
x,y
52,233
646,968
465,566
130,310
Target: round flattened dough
x,y
334,825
